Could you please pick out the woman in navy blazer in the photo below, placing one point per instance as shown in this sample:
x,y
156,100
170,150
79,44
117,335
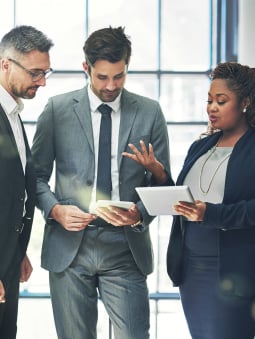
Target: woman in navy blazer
x,y
211,251
212,245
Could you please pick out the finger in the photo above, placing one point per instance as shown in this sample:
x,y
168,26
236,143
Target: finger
x,y
143,147
151,151
137,153
133,148
129,155
2,297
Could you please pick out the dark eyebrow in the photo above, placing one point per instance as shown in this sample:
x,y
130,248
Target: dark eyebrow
x,y
121,73
218,94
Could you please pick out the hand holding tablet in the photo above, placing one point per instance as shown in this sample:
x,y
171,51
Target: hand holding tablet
x,y
159,200
114,203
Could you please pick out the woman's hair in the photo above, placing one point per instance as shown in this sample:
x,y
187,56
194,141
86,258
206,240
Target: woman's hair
x,y
241,80
110,44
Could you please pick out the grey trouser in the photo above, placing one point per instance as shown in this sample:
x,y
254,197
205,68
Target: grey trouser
x,y
104,264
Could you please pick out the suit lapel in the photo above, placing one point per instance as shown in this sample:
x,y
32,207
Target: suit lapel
x,y
82,110
8,128
128,114
203,148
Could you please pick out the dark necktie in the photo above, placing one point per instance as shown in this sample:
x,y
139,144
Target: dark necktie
x,y
104,181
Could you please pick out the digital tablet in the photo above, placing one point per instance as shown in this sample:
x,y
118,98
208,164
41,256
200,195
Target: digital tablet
x,y
159,200
115,203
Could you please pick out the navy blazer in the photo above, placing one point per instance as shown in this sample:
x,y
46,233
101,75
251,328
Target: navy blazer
x,y
234,217
14,228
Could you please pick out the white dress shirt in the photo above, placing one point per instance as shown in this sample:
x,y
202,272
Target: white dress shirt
x,y
12,109
96,120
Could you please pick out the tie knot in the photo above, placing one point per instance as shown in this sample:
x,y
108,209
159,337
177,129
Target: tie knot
x,y
104,109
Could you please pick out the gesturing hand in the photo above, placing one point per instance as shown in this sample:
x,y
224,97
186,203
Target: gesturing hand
x,y
147,159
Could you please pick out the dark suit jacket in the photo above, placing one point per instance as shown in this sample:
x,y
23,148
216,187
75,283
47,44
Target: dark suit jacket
x,y
13,184
234,217
64,133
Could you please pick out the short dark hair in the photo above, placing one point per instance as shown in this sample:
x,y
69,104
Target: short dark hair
x,y
110,44
241,80
24,39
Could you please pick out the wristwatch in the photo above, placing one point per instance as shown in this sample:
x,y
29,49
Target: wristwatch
x,y
139,222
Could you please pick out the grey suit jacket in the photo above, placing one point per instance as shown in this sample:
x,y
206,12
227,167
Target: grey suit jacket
x,y
64,137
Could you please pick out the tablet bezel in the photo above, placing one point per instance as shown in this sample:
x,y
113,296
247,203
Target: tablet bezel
x,y
159,200
115,203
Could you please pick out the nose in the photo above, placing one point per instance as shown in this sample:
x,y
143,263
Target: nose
x,y
111,85
41,82
213,107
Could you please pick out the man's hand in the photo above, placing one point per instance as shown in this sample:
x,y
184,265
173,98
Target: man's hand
x,y
148,160
25,269
2,293
71,217
118,216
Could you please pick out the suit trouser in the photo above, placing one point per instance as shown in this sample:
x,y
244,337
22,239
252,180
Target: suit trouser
x,y
9,310
103,264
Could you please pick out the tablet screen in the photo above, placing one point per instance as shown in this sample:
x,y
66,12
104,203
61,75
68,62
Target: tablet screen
x,y
159,200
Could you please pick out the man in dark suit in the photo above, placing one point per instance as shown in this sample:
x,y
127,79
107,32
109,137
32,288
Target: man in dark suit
x,y
110,253
25,64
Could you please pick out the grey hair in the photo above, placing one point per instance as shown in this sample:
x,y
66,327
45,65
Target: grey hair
x,y
24,39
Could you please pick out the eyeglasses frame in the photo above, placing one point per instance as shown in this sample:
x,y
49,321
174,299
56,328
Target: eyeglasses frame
x,y
36,76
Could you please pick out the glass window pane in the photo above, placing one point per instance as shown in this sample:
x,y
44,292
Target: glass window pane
x,y
142,84
6,16
170,316
56,84
183,97
63,22
180,138
142,29
185,39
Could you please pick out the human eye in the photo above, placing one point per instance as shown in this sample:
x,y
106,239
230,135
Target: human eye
x,y
221,103
102,77
209,102
37,73
119,76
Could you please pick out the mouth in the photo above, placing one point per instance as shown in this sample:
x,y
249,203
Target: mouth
x,y
110,95
213,119
33,89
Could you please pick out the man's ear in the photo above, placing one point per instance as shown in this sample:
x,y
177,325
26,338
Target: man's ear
x,y
5,64
85,67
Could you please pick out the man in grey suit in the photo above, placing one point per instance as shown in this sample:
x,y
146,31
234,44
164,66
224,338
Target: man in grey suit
x,y
108,250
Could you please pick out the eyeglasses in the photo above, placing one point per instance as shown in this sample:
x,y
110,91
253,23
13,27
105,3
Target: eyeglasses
x,y
36,76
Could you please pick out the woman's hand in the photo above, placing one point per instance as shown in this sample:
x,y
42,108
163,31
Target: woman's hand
x,y
192,211
147,159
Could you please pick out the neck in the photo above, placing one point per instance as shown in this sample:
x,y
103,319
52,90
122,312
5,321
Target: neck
x,y
230,139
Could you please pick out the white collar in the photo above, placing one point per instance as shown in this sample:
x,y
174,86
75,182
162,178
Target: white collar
x,y
95,101
10,105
